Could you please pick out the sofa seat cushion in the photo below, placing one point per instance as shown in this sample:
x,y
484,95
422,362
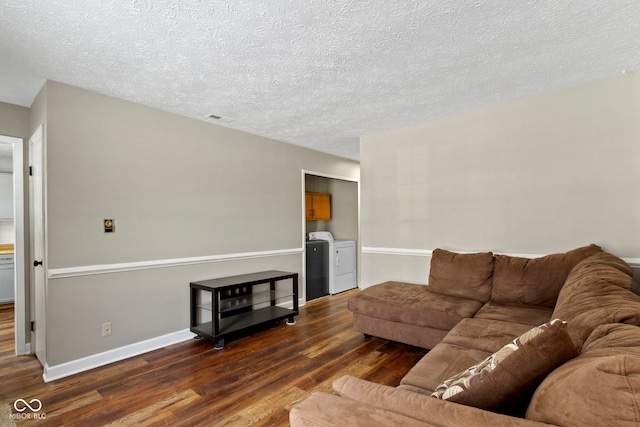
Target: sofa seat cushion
x,y
412,304
419,336
323,409
597,293
443,361
484,334
505,380
532,315
535,281
461,275
600,387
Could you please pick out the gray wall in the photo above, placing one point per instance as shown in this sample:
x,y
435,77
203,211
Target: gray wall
x,y
177,188
14,121
534,176
344,223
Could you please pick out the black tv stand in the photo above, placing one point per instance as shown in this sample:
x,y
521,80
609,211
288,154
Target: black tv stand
x,y
228,306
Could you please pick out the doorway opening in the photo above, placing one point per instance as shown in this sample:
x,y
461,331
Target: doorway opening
x,y
12,234
342,225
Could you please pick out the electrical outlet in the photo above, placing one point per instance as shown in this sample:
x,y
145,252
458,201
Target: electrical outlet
x,y
106,329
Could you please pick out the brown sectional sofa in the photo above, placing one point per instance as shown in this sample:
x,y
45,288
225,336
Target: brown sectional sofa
x,y
496,358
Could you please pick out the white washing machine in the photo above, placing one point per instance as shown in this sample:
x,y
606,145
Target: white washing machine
x,y
342,262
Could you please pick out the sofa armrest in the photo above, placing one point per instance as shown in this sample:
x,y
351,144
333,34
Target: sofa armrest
x,y
422,407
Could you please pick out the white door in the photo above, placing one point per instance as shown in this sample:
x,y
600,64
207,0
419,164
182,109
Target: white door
x,y
38,272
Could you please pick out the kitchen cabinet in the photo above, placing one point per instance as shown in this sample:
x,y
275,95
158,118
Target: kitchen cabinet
x,y
6,279
317,206
6,196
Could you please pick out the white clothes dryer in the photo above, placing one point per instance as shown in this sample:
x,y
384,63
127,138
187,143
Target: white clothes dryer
x,y
342,262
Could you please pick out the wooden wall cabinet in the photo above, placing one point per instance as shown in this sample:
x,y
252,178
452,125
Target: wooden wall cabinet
x,y
318,206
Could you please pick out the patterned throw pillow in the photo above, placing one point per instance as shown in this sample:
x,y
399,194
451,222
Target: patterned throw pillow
x,y
506,379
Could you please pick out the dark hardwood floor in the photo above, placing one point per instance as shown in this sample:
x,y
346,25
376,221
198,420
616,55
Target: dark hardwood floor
x,y
253,381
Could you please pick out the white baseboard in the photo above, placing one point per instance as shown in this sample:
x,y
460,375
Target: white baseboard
x,y
27,350
66,369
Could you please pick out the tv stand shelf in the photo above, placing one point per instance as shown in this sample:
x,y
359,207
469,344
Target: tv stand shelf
x,y
228,306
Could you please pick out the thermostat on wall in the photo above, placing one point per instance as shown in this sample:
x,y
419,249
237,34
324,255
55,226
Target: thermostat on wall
x,y
109,225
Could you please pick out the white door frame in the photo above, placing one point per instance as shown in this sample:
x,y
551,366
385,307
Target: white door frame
x,y
306,172
37,224
22,345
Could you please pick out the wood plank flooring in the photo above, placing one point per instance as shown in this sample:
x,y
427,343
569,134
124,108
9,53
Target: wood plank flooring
x,y
253,381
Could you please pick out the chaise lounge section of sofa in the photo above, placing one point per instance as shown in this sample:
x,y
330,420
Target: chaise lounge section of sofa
x,y
513,341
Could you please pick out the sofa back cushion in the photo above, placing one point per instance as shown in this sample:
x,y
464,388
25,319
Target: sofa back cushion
x,y
601,386
596,293
461,275
535,281
613,335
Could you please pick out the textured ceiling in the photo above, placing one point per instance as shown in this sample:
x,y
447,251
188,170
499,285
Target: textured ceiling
x,y
314,73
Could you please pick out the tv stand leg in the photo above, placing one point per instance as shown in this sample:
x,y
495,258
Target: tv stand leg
x,y
219,345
